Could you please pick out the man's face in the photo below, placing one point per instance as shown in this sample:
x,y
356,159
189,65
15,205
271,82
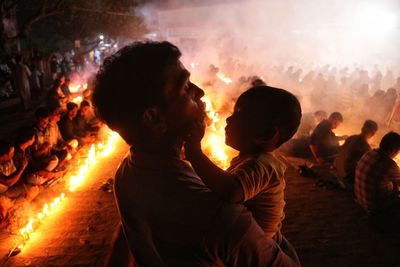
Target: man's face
x,y
335,124
72,113
182,98
55,117
42,123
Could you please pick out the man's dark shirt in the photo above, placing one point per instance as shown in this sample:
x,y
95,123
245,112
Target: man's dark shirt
x,y
325,141
349,155
67,128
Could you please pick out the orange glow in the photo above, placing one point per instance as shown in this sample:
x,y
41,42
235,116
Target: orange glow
x,y
77,100
214,138
75,180
74,88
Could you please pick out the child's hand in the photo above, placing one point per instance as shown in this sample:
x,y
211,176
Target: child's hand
x,y
193,139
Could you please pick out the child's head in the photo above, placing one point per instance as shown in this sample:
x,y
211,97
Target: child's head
x,y
263,119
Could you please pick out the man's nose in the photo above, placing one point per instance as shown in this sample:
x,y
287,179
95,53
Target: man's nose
x,y
198,92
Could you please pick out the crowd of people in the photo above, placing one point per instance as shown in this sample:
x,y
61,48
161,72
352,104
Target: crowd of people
x,y
38,154
176,206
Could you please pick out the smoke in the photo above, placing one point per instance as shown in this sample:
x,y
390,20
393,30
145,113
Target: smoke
x,y
250,37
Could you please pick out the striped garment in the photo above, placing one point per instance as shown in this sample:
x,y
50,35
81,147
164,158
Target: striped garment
x,y
377,177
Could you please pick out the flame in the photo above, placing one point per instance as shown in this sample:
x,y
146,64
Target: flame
x,y
223,78
85,86
77,100
214,139
74,88
95,152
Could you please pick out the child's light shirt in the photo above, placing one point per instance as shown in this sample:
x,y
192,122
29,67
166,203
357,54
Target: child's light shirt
x,y
262,179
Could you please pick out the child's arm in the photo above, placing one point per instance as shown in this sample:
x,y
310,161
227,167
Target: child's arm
x,y
219,181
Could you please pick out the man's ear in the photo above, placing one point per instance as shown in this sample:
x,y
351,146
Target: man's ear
x,y
154,119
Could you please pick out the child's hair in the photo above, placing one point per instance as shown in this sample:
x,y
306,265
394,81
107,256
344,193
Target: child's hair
x,y
274,107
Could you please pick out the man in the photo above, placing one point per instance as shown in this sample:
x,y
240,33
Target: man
x,y
324,144
42,157
21,77
12,188
82,127
350,153
169,217
377,182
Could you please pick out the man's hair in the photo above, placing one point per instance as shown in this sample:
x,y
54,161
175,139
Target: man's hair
x,y
390,142
85,103
369,126
71,106
24,134
337,116
42,113
130,81
5,147
276,107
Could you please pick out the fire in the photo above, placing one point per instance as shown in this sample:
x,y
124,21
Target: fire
x,y
96,151
223,78
214,139
77,100
74,88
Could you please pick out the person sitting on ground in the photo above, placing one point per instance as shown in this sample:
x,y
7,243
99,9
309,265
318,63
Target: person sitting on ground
x,y
59,147
351,152
324,144
169,216
377,181
65,82
82,126
12,188
308,123
263,119
35,174
42,157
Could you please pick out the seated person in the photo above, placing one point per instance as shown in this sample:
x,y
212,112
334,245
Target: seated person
x,y
324,144
299,146
82,126
12,189
42,157
68,128
350,153
34,174
263,119
308,123
377,181
59,147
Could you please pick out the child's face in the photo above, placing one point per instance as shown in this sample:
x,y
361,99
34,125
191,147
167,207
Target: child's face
x,y
240,128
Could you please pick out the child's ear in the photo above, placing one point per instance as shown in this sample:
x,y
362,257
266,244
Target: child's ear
x,y
153,119
271,136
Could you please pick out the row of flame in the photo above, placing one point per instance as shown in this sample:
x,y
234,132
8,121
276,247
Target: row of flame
x,y
95,152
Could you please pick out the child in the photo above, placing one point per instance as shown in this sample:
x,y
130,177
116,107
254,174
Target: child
x,y
263,119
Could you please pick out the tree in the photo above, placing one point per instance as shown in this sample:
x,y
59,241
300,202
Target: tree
x,y
53,24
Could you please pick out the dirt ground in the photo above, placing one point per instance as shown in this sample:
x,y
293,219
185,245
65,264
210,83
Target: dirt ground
x,y
327,228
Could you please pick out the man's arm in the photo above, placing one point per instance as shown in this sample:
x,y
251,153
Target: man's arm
x,y
313,149
14,178
219,181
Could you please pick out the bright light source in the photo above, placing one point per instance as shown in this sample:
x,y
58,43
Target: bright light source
x,y
101,37
374,19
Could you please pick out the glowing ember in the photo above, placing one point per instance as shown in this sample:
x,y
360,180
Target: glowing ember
x,y
223,78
